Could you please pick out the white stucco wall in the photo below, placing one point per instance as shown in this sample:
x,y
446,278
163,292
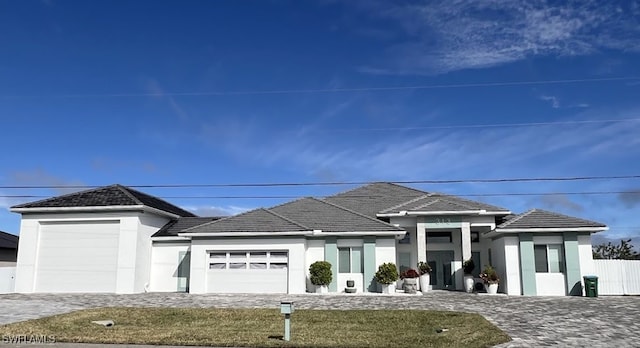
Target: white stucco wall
x,y
296,248
315,252
165,260
134,248
511,281
587,266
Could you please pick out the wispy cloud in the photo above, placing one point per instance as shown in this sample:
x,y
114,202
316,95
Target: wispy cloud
x,y
153,87
453,35
211,210
555,102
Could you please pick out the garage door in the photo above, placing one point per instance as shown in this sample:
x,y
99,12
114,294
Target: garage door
x,y
248,272
77,257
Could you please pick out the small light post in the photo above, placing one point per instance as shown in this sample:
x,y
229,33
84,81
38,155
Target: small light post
x,y
286,308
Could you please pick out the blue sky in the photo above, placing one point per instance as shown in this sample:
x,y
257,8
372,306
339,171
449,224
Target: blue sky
x,y
209,92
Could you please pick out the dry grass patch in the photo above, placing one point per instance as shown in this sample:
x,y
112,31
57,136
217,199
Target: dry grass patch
x,y
258,327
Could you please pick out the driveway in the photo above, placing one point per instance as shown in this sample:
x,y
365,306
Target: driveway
x,y
530,321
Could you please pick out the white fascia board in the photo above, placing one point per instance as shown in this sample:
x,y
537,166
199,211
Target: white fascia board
x,y
461,212
363,233
80,209
506,212
170,239
95,209
246,234
554,229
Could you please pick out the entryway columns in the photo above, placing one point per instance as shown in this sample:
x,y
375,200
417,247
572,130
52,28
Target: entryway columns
x,y
421,240
466,241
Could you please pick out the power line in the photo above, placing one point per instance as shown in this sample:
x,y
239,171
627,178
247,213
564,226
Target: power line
x,y
340,183
328,90
373,196
496,125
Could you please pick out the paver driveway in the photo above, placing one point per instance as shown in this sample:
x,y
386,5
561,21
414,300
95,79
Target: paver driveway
x,y
530,321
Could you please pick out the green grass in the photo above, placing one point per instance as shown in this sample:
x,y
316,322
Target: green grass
x,y
258,327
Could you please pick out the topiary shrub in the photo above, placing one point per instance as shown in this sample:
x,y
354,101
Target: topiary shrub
x,y
387,273
320,273
468,266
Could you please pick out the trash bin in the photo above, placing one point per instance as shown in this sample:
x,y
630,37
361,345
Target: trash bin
x,y
590,286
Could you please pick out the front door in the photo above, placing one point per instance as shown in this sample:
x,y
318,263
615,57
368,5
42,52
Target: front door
x,y
441,272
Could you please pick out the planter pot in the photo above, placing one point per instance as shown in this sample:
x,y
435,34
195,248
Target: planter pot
x,y
322,289
388,288
410,285
469,283
424,282
492,289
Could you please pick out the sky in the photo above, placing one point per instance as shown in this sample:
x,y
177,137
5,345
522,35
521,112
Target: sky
x,y
231,92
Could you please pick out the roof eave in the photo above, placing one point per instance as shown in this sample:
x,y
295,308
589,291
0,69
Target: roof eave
x,y
244,234
94,209
443,212
499,231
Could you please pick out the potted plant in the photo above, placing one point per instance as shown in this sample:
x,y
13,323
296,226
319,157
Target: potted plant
x,y
490,278
468,266
320,275
386,275
424,269
410,277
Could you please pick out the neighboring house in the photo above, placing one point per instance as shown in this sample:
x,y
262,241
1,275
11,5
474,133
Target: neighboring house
x,y
8,249
115,239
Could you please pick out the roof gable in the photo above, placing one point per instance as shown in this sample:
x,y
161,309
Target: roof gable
x,y
255,221
114,195
321,215
374,198
436,202
8,240
541,219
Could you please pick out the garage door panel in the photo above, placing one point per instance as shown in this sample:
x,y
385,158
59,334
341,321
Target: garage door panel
x,y
255,272
78,257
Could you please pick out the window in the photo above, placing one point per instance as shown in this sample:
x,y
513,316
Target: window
x,y
548,258
350,260
256,260
438,237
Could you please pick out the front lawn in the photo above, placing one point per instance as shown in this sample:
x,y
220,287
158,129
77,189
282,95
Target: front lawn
x,y
264,327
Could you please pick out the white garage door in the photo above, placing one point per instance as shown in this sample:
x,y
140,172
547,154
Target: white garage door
x,y
248,272
77,257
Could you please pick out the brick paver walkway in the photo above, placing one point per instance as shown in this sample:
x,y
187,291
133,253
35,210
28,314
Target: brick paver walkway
x,y
530,321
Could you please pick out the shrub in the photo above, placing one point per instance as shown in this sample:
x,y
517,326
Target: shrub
x,y
468,266
387,273
423,268
320,273
489,275
409,273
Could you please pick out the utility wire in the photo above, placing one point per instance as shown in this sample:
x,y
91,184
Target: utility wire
x,y
339,183
373,196
328,90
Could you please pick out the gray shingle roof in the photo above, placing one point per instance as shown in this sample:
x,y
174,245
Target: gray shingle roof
x,y
328,217
8,240
374,198
258,220
114,195
172,228
392,198
538,218
442,202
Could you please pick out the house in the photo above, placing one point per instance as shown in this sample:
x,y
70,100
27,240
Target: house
x,y
8,249
116,239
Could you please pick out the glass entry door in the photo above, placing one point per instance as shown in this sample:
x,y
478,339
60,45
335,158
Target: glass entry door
x,y
441,272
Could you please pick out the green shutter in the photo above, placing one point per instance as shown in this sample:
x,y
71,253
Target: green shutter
x,y
527,264
331,256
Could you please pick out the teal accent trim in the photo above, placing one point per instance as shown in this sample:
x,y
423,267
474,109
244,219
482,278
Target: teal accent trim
x,y
572,263
369,251
443,222
331,255
527,264
184,267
